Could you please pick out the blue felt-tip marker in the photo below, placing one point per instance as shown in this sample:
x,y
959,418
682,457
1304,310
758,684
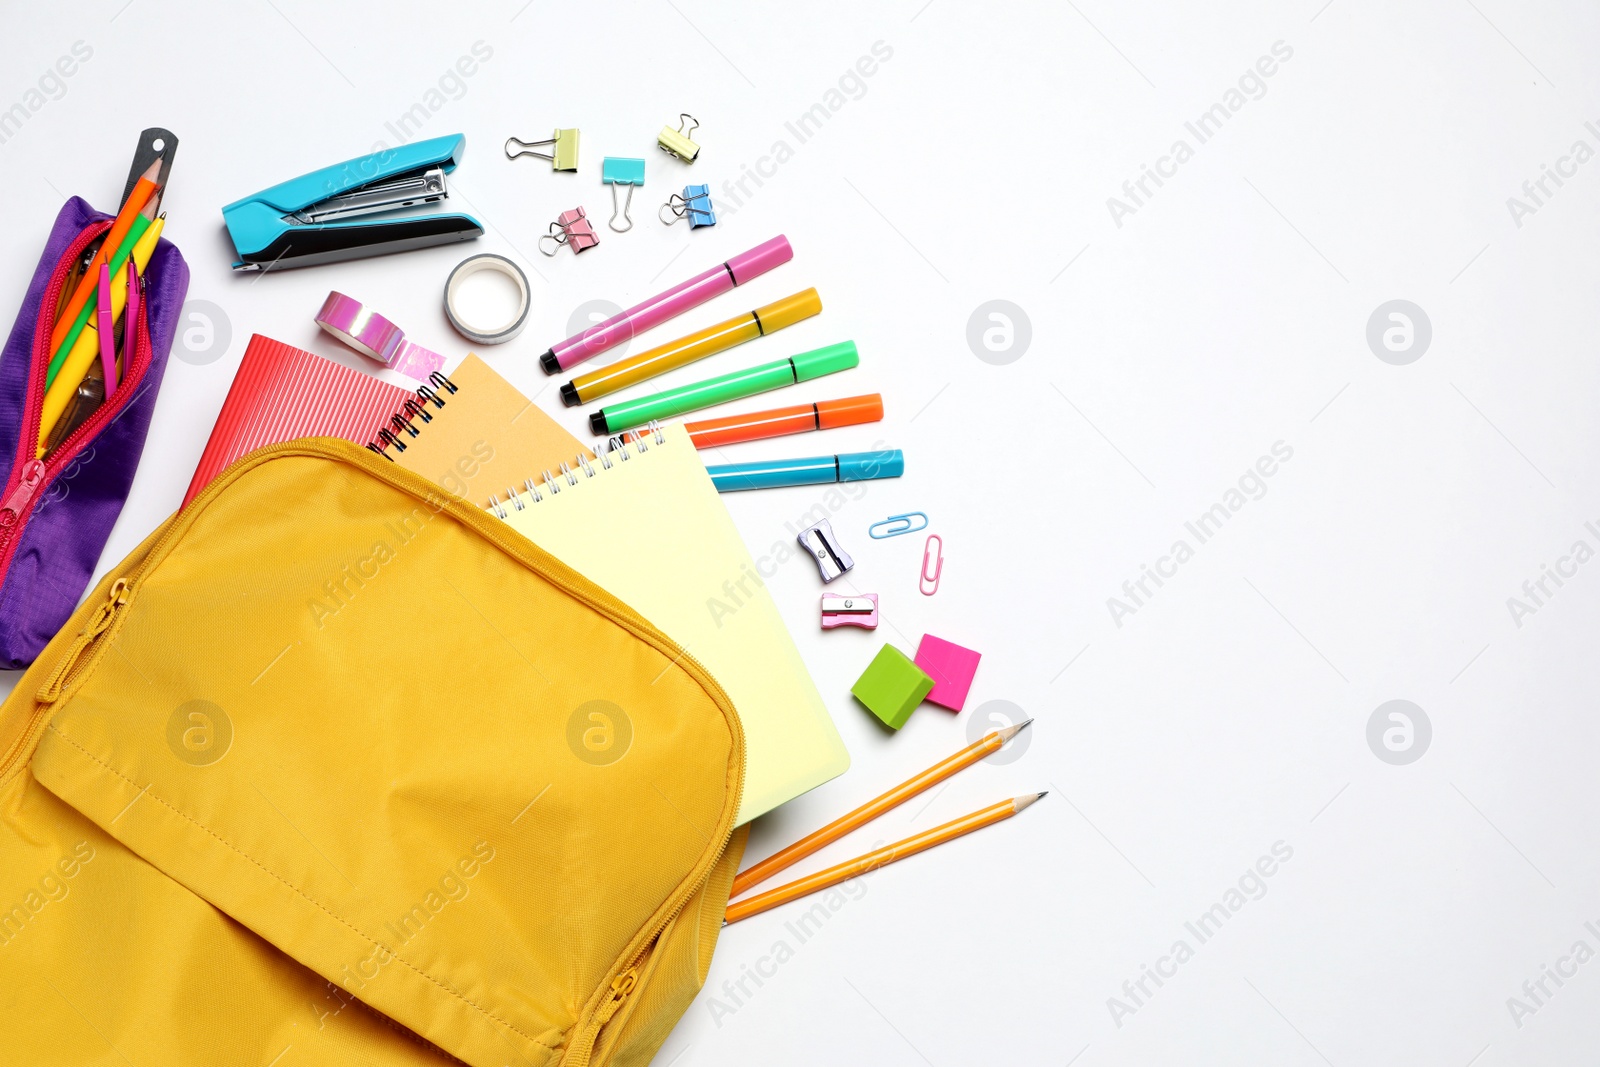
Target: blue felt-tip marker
x,y
815,470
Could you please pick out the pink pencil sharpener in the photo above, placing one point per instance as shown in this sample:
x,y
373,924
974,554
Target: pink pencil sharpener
x,y
858,610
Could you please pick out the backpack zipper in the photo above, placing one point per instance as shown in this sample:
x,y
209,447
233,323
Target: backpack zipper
x,y
29,473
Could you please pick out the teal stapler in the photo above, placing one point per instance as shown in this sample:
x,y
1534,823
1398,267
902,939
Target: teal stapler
x,y
321,217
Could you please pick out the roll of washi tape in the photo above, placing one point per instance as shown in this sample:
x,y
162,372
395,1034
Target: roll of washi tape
x,y
478,332
376,337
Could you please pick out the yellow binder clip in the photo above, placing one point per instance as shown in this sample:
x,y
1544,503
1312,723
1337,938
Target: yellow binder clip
x,y
676,142
563,156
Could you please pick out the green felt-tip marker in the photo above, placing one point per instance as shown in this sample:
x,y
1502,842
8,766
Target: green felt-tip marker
x,y
733,386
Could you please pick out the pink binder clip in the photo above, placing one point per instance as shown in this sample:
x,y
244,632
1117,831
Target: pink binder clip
x,y
858,610
572,229
928,584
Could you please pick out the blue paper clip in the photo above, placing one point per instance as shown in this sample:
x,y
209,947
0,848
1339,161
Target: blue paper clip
x,y
891,529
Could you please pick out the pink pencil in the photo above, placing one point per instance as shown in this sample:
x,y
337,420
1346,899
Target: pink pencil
x,y
625,325
108,342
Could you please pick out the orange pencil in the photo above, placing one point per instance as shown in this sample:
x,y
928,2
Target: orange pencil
x,y
743,909
987,744
108,248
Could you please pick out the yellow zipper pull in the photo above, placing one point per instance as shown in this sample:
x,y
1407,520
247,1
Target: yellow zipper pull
x,y
116,596
583,1045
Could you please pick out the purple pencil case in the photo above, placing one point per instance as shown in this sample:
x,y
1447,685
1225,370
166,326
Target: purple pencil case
x,y
56,513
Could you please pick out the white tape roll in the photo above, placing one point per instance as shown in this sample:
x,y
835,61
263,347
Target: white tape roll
x,y
478,333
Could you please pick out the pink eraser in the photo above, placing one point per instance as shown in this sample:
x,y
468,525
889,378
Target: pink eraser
x,y
950,666
760,259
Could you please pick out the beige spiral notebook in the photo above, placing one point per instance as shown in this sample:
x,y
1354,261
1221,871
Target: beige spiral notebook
x,y
652,531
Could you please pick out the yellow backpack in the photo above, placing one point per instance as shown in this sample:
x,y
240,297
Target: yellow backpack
x,y
333,769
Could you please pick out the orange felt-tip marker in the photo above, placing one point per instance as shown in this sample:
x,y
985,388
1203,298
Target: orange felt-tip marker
x,y
131,207
687,349
780,422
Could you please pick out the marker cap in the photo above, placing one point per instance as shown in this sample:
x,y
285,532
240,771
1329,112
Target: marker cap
x,y
789,310
849,411
864,466
760,259
820,361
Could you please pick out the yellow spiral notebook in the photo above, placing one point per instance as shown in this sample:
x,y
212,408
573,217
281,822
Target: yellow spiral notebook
x,y
651,530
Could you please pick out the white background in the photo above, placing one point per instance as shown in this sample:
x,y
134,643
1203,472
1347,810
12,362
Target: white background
x,y
1167,354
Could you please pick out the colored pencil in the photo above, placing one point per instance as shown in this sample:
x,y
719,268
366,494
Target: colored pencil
x,y
772,898
108,248
986,745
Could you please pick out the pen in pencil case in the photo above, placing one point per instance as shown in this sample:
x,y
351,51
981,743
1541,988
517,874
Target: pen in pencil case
x,y
814,470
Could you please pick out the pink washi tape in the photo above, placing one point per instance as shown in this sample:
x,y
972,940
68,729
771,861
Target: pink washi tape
x,y
376,337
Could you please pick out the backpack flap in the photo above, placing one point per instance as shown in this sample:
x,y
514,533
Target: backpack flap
x,y
410,750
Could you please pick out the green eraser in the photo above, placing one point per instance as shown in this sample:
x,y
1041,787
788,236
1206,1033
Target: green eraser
x,y
892,686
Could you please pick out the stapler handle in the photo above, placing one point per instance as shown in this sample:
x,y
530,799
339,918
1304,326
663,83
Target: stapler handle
x,y
334,242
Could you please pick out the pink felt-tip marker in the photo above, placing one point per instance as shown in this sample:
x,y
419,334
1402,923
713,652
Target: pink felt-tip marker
x,y
625,325
130,322
105,324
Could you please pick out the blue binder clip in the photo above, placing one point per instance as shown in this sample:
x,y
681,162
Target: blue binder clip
x,y
694,205
895,525
318,217
620,170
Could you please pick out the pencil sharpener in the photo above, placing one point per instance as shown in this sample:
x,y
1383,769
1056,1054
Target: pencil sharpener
x,y
859,610
823,544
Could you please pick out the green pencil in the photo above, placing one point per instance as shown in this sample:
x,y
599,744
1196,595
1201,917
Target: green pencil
x,y
119,263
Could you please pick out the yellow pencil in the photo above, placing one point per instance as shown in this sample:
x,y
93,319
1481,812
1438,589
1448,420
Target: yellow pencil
x,y
743,909
986,745
87,346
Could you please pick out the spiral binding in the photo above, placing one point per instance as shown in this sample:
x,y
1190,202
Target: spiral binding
x,y
404,421
614,451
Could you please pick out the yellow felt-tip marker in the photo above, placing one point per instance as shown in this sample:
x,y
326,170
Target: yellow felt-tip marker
x,y
685,350
87,346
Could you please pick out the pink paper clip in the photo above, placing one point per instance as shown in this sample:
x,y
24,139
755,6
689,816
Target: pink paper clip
x,y
572,229
925,578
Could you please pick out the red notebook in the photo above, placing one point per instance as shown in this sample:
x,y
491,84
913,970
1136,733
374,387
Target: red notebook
x,y
281,392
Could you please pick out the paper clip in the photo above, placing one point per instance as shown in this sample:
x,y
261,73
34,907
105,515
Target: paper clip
x,y
572,229
895,525
676,142
564,156
694,205
925,578
620,170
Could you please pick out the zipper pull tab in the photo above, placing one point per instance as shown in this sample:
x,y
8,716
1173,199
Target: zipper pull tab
x,y
116,596
13,506
583,1045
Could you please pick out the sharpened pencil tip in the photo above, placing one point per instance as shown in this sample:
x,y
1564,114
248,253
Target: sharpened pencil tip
x,y
1019,803
1008,732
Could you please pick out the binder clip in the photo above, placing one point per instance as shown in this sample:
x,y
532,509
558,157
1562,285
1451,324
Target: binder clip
x,y
563,156
832,559
675,142
694,205
317,217
620,170
859,610
895,525
572,229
